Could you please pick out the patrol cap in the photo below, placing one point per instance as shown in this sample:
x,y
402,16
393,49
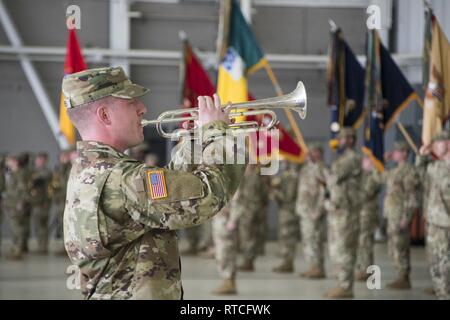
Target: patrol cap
x,y
401,146
346,132
315,146
94,84
441,136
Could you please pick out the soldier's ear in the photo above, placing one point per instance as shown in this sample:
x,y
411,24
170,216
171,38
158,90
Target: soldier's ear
x,y
102,114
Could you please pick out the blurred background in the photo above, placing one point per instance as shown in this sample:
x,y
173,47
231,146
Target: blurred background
x,y
143,37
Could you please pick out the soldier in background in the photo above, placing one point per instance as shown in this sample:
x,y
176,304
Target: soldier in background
x,y
343,212
57,192
25,176
252,199
39,198
436,177
2,189
284,191
399,204
225,235
17,204
311,194
368,218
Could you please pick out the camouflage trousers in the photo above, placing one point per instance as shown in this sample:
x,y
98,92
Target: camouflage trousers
x,y
250,233
58,224
1,217
199,237
288,230
313,239
261,232
17,219
438,251
193,236
40,215
366,241
343,228
398,247
226,246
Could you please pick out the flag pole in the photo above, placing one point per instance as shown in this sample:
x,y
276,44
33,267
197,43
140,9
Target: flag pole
x,y
288,112
407,137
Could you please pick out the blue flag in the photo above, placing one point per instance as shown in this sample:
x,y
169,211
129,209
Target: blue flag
x,y
345,87
388,92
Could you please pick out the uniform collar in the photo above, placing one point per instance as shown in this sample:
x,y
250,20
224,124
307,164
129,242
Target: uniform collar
x,y
99,147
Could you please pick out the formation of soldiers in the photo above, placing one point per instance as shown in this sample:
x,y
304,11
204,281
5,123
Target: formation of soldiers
x,y
28,191
337,208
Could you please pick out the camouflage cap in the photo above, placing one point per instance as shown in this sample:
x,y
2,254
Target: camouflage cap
x,y
401,146
441,136
94,84
346,131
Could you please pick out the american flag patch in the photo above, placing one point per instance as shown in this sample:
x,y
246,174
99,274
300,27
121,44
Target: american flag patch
x,y
157,184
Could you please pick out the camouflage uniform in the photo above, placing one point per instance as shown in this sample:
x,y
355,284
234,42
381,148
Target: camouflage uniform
x,y
368,220
18,207
119,224
226,243
2,189
310,207
436,176
284,191
58,189
40,202
198,238
399,202
252,199
343,216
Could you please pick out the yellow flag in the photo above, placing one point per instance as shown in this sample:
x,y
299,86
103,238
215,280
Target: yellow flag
x,y
437,96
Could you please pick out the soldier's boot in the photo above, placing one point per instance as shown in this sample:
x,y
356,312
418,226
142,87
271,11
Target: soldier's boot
x,y
61,252
361,276
246,265
286,266
208,253
14,254
189,252
401,283
42,251
430,291
314,272
24,247
227,287
339,293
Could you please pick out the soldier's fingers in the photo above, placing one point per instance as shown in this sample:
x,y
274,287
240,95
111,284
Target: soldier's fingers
x,y
201,103
209,103
216,100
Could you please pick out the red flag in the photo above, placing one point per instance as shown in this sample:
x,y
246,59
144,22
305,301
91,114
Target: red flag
x,y
195,80
262,143
74,62
196,83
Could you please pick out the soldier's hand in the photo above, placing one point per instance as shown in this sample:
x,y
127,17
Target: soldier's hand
x,y
425,149
403,224
231,226
209,110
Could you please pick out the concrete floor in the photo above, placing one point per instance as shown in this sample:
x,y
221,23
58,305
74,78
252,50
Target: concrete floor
x,y
43,277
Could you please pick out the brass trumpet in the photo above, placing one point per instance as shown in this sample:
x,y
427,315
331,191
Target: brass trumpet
x,y
295,101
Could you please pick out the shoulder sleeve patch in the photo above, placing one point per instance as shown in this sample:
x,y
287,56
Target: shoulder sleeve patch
x,y
156,183
166,186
